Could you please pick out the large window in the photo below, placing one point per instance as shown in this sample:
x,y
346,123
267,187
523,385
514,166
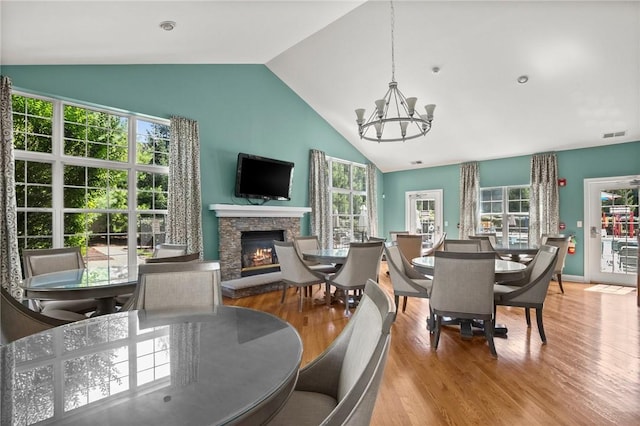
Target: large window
x,y
505,212
90,178
348,183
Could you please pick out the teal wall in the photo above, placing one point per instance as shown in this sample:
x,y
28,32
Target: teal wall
x,y
574,165
240,108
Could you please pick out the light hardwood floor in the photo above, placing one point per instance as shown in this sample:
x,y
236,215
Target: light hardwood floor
x,y
587,374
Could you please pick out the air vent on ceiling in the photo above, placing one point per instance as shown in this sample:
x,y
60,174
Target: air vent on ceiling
x,y
417,162
614,134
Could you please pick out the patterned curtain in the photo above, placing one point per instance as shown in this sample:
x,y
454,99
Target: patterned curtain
x,y
544,205
469,193
10,270
185,205
319,197
372,199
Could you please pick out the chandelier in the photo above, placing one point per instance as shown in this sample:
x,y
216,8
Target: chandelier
x,y
394,118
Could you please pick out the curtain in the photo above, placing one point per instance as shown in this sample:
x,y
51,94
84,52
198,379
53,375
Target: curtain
x,y
469,194
184,222
372,200
319,197
10,270
544,204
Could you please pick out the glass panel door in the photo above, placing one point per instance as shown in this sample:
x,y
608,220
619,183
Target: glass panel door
x,y
424,215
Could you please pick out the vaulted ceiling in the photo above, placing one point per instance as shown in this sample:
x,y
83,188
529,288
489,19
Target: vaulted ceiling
x,y
582,60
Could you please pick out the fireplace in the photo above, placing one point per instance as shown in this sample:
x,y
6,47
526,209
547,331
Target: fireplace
x,y
258,256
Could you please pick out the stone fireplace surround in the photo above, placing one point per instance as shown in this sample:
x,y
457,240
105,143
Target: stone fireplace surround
x,y
234,219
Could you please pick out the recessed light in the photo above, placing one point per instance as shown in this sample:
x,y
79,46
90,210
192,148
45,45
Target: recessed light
x,y
523,79
167,25
435,70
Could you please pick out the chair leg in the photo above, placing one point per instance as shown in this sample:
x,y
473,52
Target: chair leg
x,y
431,321
560,282
436,333
300,298
327,294
285,286
488,332
346,303
404,304
540,325
396,299
527,315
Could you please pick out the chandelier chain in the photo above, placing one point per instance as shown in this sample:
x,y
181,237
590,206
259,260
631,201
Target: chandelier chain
x,y
393,52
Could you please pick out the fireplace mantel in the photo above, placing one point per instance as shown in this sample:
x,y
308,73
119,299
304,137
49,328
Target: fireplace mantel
x,y
232,210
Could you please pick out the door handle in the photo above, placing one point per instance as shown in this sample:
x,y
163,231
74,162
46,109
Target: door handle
x,y
594,232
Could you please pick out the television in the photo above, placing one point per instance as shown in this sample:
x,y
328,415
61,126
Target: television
x,y
263,178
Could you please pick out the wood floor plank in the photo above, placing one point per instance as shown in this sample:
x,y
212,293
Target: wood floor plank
x,y
587,374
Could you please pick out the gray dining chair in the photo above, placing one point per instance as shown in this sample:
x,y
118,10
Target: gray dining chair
x,y
438,245
487,243
406,281
44,261
410,245
295,273
464,246
340,386
169,250
562,242
362,264
532,291
177,285
463,288
394,234
308,243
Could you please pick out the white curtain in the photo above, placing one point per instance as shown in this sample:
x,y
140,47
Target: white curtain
x,y
10,271
184,204
469,194
319,197
372,199
544,203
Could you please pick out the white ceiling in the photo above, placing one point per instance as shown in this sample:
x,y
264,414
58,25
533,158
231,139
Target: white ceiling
x,y
582,59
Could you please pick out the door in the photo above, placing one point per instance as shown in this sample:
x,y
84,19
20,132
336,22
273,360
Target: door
x,y
611,231
423,214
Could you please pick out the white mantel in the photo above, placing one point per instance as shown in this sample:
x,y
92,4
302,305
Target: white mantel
x,y
231,210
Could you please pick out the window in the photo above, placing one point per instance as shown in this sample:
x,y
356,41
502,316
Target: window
x,y
348,187
91,178
505,211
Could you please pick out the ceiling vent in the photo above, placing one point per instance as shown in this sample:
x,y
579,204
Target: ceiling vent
x,y
614,134
417,162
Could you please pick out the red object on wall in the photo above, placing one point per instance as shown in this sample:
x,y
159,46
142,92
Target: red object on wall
x,y
562,225
572,245
562,182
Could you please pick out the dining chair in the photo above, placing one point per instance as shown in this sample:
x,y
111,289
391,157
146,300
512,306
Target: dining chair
x,y
532,291
406,281
468,246
562,242
308,243
295,273
177,285
362,264
169,250
44,261
438,245
463,288
340,386
18,321
410,245
487,243
375,239
394,234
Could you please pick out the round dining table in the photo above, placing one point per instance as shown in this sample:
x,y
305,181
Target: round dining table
x,y
229,365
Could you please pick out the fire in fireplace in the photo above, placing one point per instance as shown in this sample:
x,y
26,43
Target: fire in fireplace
x,y
258,253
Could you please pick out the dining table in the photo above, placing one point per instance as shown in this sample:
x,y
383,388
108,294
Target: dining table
x,y
226,365
335,256
100,283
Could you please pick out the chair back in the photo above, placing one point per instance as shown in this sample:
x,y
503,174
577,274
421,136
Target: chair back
x,y
177,285
410,245
462,246
293,269
18,321
562,242
543,237
362,264
376,239
463,284
193,257
400,278
540,271
307,243
44,261
487,241
170,250
394,234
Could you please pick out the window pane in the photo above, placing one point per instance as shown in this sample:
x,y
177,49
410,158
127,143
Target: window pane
x,y
95,134
341,204
359,178
340,175
32,124
152,143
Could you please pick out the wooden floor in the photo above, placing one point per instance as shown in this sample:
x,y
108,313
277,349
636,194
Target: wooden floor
x,y
587,374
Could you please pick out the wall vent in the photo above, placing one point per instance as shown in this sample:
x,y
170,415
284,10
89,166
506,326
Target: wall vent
x,y
614,134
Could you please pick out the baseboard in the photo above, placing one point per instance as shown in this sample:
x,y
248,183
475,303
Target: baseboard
x,y
573,278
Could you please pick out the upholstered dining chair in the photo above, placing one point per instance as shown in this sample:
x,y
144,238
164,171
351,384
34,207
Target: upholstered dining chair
x,y
177,285
406,281
362,264
468,246
295,273
562,242
410,245
438,245
487,243
340,386
169,250
463,288
18,321
394,234
308,243
532,291
44,261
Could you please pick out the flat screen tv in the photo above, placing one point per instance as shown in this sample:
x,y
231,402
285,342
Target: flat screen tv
x,y
263,178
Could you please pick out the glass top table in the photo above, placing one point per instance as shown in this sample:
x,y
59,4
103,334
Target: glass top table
x,y
505,270
327,256
224,366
